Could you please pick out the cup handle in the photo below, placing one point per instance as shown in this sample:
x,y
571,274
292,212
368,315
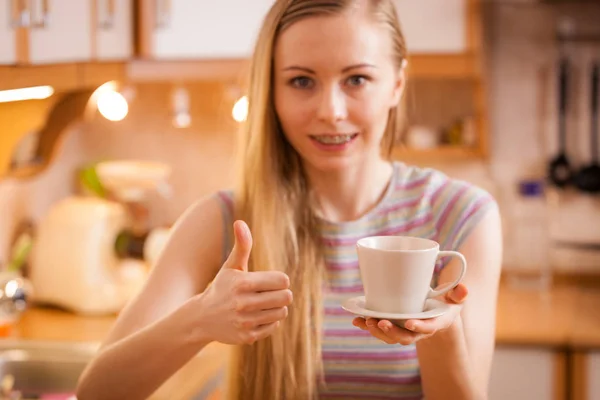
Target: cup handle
x,y
436,293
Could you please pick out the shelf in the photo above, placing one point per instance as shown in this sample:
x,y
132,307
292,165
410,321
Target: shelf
x,y
62,77
438,154
435,66
72,76
443,66
186,70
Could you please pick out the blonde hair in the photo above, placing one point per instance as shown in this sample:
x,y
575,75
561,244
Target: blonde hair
x,y
273,197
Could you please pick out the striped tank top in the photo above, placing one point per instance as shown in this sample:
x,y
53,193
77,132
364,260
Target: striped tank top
x,y
418,202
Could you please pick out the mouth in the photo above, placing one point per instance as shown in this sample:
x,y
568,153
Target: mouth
x,y
334,139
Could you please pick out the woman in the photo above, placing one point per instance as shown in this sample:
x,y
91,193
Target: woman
x,y
326,81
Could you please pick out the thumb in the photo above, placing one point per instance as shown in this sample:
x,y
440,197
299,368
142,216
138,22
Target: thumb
x,y
238,258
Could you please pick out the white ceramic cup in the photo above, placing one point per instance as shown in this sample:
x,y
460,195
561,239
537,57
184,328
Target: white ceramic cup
x,y
396,272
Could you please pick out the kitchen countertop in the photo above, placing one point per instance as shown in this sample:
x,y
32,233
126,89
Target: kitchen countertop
x,y
565,316
568,315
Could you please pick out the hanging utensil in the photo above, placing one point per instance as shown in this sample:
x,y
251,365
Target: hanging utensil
x,y
588,179
559,169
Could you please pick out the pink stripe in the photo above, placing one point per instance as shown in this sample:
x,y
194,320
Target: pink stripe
x,y
384,380
358,289
372,356
399,206
449,207
342,265
461,222
326,396
386,232
337,311
411,184
227,199
438,191
347,333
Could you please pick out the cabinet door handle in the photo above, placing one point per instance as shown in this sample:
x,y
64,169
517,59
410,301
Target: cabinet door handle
x,y
163,13
19,15
107,20
43,20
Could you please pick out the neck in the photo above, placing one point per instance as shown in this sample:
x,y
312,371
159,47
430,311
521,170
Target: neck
x,y
348,194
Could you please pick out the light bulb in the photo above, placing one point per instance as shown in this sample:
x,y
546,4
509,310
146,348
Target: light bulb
x,y
240,109
112,105
29,93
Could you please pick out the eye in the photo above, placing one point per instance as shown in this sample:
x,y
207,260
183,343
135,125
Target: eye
x,y
357,80
302,82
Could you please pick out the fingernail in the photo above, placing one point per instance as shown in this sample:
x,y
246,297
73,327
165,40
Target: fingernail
x,y
411,327
385,328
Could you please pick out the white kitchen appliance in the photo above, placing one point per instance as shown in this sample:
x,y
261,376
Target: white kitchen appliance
x,y
74,264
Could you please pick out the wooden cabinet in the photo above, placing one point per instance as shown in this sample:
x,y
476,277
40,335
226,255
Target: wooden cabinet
x,y
41,32
585,375
59,31
593,375
521,373
200,29
113,23
8,32
434,26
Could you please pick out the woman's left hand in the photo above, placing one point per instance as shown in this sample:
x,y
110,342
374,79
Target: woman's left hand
x,y
415,329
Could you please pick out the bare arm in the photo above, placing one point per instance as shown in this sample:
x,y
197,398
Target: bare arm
x,y
455,350
456,362
153,336
170,321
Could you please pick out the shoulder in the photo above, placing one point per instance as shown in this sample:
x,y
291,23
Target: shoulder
x,y
456,205
207,209
202,230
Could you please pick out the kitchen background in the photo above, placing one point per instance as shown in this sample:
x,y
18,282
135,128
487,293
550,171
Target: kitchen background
x,y
162,82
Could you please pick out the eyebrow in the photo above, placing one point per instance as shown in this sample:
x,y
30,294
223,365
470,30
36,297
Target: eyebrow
x,y
310,71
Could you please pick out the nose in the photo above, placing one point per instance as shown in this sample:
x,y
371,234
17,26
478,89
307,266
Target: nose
x,y
332,105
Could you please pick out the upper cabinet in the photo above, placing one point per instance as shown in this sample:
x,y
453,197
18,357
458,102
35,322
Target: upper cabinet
x,y
113,25
36,32
434,26
9,22
200,29
59,31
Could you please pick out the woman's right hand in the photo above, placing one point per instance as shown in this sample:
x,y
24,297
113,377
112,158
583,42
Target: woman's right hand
x,y
241,307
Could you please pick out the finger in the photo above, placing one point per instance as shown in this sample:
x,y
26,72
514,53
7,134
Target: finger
x,y
264,301
458,294
264,331
397,334
240,254
374,330
360,322
425,326
269,316
262,281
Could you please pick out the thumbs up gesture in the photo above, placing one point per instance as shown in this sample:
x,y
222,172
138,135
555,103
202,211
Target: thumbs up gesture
x,y
242,307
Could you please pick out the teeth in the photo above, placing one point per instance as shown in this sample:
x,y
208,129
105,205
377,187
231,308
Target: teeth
x,y
331,139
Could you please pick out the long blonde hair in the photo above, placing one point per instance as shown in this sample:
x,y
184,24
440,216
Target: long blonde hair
x,y
273,197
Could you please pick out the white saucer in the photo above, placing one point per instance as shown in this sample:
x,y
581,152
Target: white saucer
x,y
433,308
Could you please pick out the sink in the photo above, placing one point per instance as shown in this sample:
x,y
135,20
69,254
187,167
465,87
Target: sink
x,y
44,367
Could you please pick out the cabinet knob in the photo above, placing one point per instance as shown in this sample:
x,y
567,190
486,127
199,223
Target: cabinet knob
x,y
163,13
43,20
19,14
107,15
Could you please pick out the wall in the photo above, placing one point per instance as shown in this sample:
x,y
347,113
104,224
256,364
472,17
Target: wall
x,y
522,95
523,85
16,120
201,155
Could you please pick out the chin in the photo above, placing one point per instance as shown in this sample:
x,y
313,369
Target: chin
x,y
332,163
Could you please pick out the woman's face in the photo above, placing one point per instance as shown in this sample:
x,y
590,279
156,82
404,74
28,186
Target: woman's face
x,y
334,82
